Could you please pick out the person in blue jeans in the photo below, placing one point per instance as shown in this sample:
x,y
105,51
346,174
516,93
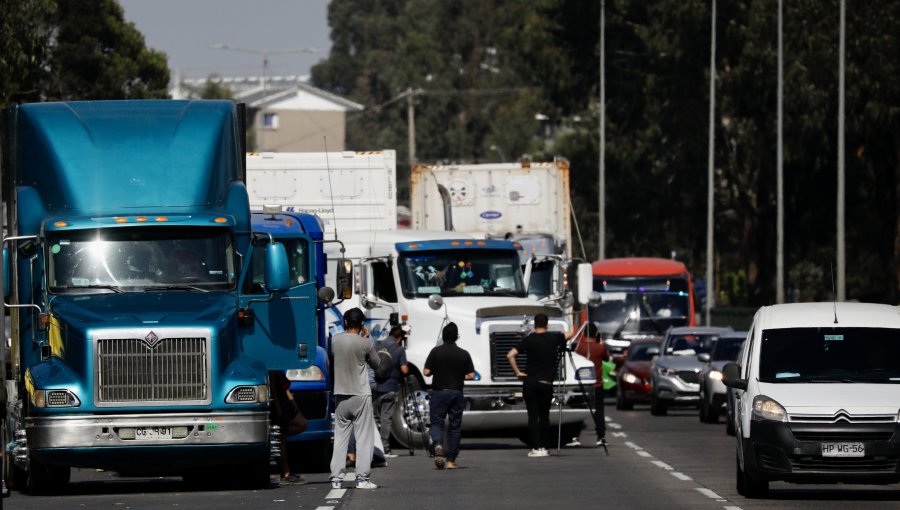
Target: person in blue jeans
x,y
451,366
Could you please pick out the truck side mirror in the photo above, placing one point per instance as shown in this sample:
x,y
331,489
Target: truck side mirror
x,y
344,278
277,272
325,295
585,279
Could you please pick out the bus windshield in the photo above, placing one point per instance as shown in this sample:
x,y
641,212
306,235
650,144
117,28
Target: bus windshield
x,y
112,260
640,306
461,272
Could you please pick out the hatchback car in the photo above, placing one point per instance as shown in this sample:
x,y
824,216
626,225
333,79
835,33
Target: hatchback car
x,y
818,396
712,391
675,374
634,374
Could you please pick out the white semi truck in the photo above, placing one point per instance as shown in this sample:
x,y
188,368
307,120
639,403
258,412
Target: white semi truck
x,y
523,202
424,279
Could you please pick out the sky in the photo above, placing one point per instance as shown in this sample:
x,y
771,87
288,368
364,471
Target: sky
x,y
185,29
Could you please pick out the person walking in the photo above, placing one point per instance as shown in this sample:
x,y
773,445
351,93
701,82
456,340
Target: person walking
x,y
451,366
384,394
353,354
594,349
543,348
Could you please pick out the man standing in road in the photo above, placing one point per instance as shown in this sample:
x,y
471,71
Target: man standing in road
x,y
384,395
594,349
543,349
451,367
353,354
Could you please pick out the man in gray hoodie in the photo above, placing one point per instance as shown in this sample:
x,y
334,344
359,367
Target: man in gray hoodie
x,y
353,354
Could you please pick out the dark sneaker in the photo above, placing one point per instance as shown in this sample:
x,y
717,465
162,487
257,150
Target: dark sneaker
x,y
439,460
293,479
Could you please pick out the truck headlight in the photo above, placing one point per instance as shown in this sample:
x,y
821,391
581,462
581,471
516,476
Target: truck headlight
x,y
715,375
631,378
54,398
248,394
312,373
585,374
764,408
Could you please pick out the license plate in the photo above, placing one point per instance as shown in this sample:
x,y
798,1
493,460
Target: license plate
x,y
152,433
843,450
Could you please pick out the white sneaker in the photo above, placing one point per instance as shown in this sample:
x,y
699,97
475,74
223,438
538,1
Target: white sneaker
x,y
537,453
544,452
335,483
574,442
365,484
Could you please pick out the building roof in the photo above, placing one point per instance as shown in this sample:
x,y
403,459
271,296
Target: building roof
x,y
291,92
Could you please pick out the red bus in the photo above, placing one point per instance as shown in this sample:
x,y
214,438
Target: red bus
x,y
640,297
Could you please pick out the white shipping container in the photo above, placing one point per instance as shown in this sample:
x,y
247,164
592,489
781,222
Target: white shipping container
x,y
354,190
496,199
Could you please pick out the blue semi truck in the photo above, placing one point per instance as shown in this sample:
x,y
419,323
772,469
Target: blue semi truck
x,y
146,310
302,236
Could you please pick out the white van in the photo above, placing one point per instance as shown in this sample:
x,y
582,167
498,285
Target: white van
x,y
818,396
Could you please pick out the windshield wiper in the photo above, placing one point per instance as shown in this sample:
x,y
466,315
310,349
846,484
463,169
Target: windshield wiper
x,y
175,287
113,288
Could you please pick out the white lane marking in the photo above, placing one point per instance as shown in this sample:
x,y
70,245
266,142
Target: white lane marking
x,y
335,494
619,434
662,464
607,418
708,493
681,476
350,477
732,508
643,453
324,508
613,425
632,445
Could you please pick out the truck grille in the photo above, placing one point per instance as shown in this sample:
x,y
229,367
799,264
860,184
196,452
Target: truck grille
x,y
130,370
501,343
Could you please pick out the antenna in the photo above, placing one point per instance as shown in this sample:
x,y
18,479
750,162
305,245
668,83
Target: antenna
x,y
330,188
833,294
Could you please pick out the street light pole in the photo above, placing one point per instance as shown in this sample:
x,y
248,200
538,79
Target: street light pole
x,y
710,188
841,260
265,69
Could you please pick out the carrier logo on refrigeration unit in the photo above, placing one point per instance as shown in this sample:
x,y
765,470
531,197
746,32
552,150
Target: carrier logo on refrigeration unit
x,y
491,215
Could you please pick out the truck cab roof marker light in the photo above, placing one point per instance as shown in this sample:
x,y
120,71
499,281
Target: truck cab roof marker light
x,y
220,220
481,243
120,219
454,243
414,245
141,219
162,219
61,224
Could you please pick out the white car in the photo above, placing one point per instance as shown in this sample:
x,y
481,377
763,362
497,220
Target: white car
x,y
818,396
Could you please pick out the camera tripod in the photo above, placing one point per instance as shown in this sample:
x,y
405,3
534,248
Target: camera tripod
x,y
587,399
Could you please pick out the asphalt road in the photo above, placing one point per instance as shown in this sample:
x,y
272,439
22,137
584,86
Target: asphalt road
x,y
670,462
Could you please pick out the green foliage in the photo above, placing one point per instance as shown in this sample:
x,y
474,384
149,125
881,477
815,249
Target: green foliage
x,y
25,29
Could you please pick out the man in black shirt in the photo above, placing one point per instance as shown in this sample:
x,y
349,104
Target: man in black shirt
x,y
543,349
451,367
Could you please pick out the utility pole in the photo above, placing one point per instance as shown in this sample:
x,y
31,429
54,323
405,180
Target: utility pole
x,y
411,122
779,255
841,261
710,195
601,192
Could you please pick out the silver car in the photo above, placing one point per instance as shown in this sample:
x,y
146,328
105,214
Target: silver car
x,y
712,391
675,374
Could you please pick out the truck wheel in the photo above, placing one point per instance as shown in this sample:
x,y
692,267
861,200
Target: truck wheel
x,y
748,486
657,406
410,426
44,479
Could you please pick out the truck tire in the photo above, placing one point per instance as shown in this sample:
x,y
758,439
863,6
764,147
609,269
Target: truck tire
x,y
410,425
44,479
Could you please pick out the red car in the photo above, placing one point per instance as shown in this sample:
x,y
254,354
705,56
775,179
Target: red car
x,y
633,379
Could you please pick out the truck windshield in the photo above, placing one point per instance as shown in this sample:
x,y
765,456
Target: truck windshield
x,y
137,259
640,306
461,272
830,355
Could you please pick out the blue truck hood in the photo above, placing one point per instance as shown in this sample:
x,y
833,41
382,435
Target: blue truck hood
x,y
145,308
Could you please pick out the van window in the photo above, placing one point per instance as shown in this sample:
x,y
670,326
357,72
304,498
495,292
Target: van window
x,y
829,355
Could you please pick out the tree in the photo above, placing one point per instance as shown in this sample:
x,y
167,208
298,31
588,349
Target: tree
x,y
25,30
96,54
